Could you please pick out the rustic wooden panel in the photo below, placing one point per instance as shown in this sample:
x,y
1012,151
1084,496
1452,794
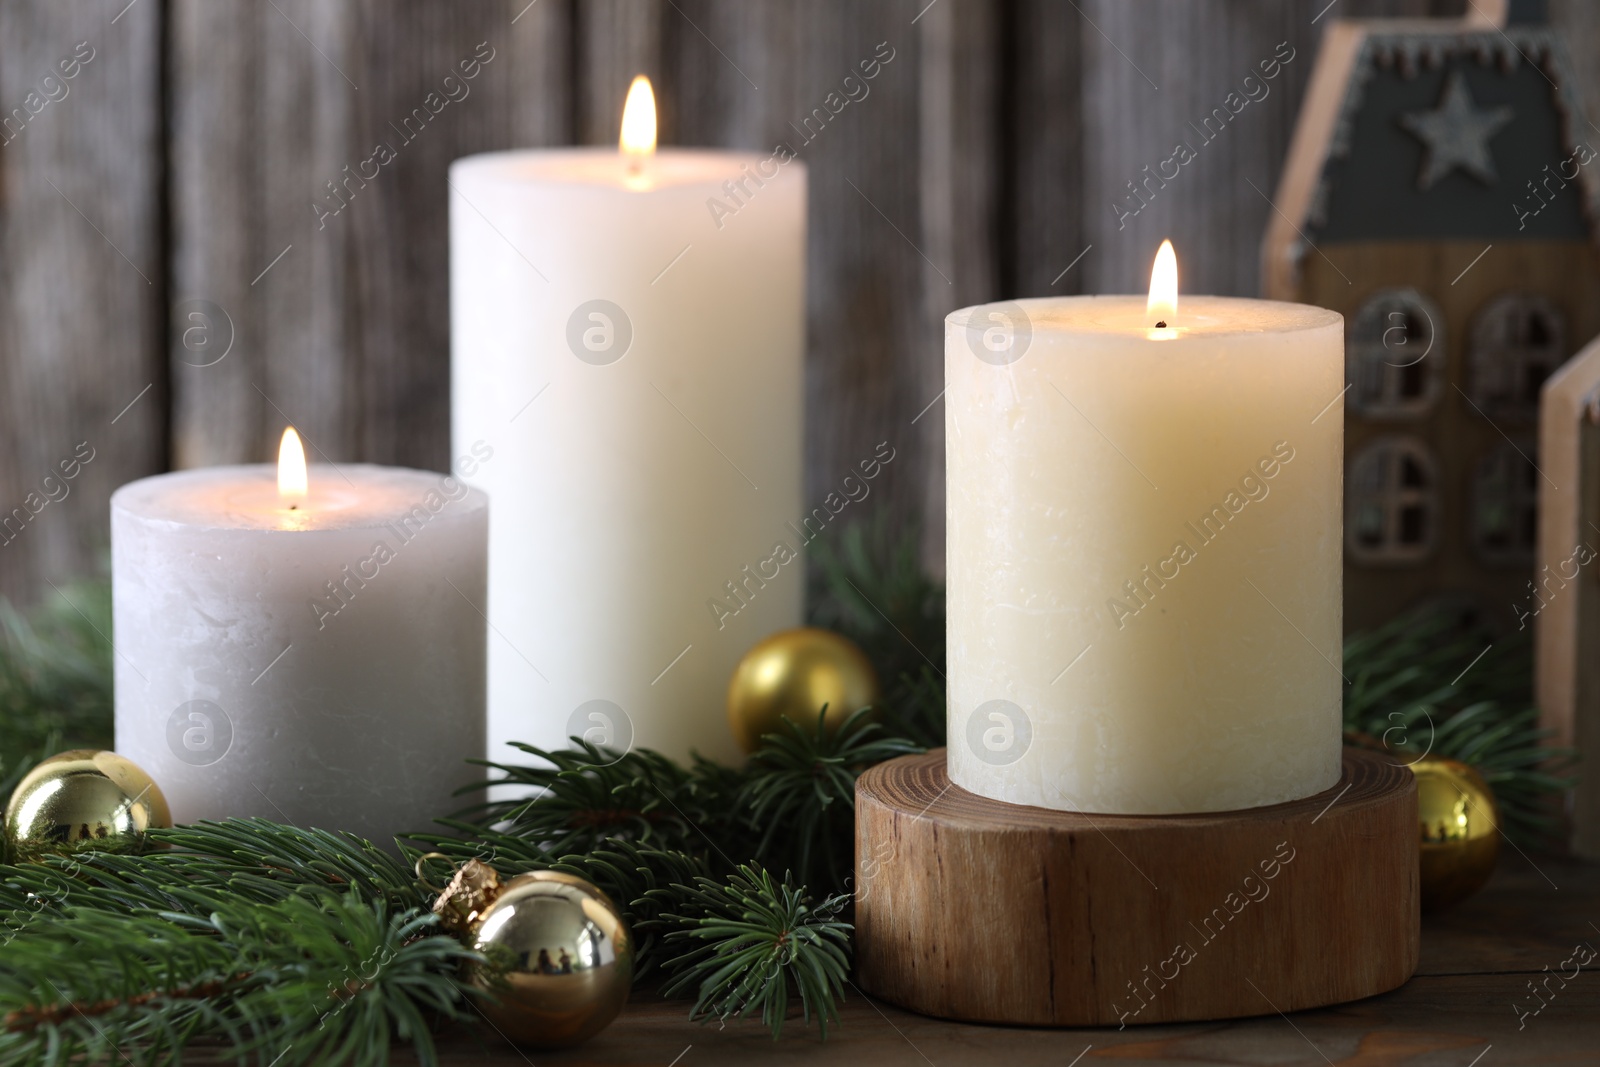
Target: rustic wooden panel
x,y
260,119
962,146
535,83
617,39
1149,71
1041,209
398,327
82,283
729,72
278,113
870,371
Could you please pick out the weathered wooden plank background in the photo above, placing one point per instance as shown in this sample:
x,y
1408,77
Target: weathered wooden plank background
x,y
158,207
83,291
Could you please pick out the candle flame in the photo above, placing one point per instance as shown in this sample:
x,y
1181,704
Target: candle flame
x,y
638,140
292,481
1162,307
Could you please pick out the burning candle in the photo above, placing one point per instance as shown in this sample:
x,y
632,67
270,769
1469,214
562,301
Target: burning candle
x,y
306,646
1144,562
627,328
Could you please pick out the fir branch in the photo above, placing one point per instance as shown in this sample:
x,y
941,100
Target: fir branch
x,y
283,859
1431,655
791,807
588,795
738,945
871,587
916,708
206,866
291,982
799,794
1436,681
742,945
755,943
55,677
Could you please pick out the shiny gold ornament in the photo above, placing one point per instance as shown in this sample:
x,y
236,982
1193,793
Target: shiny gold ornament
x,y
559,959
1460,830
794,673
82,800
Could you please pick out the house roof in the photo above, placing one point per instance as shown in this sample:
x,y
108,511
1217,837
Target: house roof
x,y
1432,129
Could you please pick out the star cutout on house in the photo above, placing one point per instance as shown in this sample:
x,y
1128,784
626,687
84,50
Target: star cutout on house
x,y
1456,134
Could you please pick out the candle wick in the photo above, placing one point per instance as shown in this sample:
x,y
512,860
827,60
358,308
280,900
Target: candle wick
x,y
1161,324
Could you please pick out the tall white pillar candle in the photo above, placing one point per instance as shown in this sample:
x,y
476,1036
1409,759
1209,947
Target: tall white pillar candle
x,y
316,660
630,342
1144,552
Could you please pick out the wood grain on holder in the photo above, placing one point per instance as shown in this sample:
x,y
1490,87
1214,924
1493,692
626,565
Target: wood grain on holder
x,y
968,908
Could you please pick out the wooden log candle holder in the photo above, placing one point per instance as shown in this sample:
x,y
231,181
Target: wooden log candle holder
x,y
973,909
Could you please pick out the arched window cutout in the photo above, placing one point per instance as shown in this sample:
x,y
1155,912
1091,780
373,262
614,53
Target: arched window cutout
x,y
1395,355
1392,502
1505,506
1516,342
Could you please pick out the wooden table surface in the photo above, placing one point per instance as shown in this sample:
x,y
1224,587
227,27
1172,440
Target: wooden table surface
x,y
1460,1009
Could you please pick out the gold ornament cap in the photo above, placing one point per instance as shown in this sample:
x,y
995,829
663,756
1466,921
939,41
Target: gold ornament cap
x,y
471,890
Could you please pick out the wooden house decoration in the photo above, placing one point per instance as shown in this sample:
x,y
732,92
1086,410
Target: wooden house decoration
x,y
1440,192
1563,600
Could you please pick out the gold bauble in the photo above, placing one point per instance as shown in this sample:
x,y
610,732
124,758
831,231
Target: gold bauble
x,y
560,960
82,800
794,673
1460,830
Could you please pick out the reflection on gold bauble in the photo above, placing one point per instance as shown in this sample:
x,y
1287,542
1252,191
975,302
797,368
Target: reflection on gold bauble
x,y
560,961
794,673
1460,830
82,800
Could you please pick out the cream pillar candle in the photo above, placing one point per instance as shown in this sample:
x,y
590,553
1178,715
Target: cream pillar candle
x,y
312,657
627,331
1144,552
